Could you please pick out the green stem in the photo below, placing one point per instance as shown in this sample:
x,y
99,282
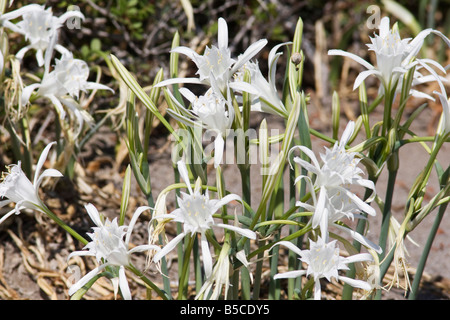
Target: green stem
x,y
148,282
63,225
426,250
387,211
184,276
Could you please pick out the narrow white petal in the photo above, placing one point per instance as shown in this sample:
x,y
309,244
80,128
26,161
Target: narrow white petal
x,y
47,173
80,283
182,169
7,215
206,253
336,52
290,274
290,246
27,91
225,200
360,238
244,232
356,283
317,290
123,284
363,75
222,36
346,135
177,81
251,51
93,214
41,161
133,220
171,245
144,247
219,145
242,86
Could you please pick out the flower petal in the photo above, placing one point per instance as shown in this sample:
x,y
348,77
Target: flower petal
x,y
123,284
182,169
41,161
133,220
171,245
206,253
80,283
244,232
336,52
289,274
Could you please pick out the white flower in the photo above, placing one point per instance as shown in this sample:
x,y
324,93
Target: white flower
x,y
38,25
63,85
110,248
333,180
216,63
18,189
210,111
324,261
196,213
268,99
395,57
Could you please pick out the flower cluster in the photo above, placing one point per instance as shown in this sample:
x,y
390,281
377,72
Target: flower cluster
x,y
332,200
225,246
69,77
395,57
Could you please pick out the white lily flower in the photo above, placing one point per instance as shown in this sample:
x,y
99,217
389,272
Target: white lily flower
x,y
18,189
110,248
196,213
216,63
268,99
395,57
211,112
63,84
338,172
324,261
38,25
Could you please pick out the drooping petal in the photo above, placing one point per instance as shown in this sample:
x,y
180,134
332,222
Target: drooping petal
x,y
356,283
123,284
53,173
168,247
244,232
7,215
182,169
290,246
80,283
337,52
363,75
360,238
290,274
133,220
206,253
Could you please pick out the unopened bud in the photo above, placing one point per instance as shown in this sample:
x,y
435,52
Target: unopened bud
x,y
296,58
